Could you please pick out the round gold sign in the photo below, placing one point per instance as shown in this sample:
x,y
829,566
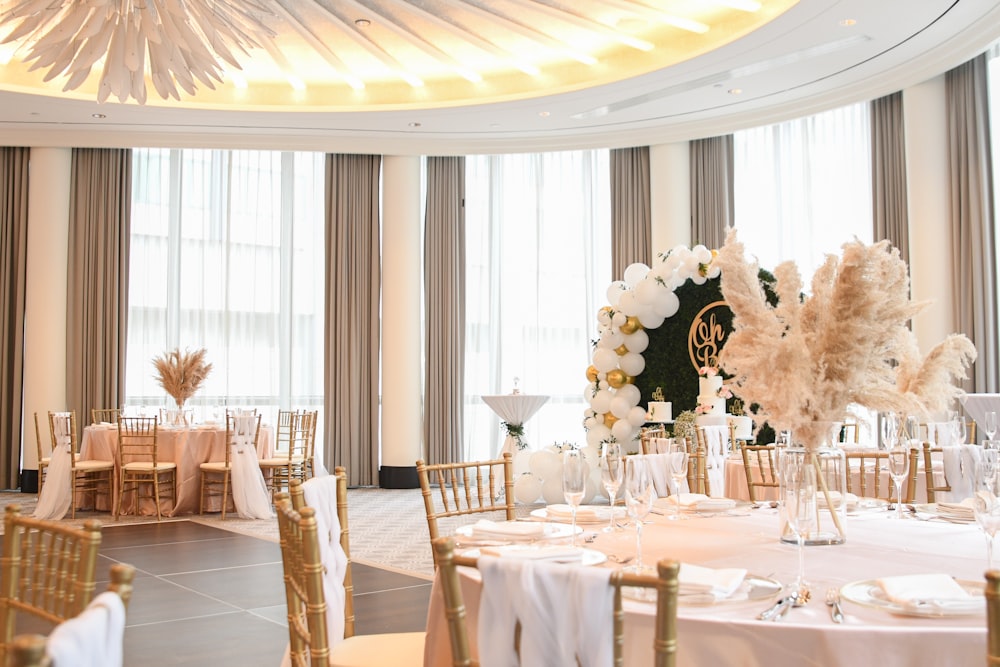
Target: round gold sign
x,y
706,336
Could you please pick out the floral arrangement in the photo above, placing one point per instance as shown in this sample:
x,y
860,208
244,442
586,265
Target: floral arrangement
x,y
181,373
685,425
807,359
515,431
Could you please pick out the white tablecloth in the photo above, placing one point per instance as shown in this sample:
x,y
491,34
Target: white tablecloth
x,y
729,634
188,447
514,409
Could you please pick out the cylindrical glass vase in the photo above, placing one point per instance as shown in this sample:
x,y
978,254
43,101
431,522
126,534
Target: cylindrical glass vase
x,y
820,443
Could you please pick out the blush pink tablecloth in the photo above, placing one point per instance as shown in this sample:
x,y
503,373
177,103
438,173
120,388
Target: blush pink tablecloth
x,y
187,447
729,634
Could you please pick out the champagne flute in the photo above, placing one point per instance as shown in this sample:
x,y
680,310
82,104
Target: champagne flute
x,y
987,507
991,424
677,458
897,456
612,472
575,472
958,430
638,499
799,497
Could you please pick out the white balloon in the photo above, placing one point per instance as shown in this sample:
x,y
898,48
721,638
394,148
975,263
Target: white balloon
x,y
592,491
615,290
589,423
628,303
634,273
592,453
698,279
623,431
605,359
673,261
552,490
632,363
601,402
611,339
637,416
595,476
620,407
522,461
618,318
545,464
648,291
691,263
638,342
703,254
650,320
595,438
630,393
601,432
714,270
527,489
668,305
604,317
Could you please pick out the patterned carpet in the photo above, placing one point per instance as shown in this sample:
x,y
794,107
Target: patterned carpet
x,y
388,526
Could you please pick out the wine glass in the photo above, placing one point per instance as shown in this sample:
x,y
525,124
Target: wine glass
x,y
612,465
638,499
575,472
799,498
958,430
987,507
677,458
991,424
898,456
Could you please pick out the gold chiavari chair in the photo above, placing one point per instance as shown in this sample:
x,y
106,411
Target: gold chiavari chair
x,y
47,570
44,457
138,449
934,454
992,593
295,434
104,415
664,582
216,476
30,650
646,436
760,464
309,643
466,488
86,476
876,462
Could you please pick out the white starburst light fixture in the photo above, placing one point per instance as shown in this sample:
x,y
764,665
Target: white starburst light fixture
x,y
177,43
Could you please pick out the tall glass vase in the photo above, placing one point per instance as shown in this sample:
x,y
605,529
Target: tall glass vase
x,y
819,442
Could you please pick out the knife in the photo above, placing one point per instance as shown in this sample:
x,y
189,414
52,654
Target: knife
x,y
775,609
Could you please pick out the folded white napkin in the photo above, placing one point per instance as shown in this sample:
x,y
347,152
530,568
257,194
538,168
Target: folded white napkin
x,y
700,502
583,513
720,583
557,553
508,529
929,590
960,511
835,499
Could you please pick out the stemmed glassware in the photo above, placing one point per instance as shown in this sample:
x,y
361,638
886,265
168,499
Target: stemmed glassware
x,y
612,470
958,429
638,499
677,458
798,476
991,424
575,472
987,506
898,456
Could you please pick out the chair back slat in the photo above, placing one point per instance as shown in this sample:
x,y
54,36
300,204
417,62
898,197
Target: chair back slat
x,y
760,468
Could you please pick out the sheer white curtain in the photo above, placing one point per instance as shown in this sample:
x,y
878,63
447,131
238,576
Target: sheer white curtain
x,y
803,187
993,81
538,265
225,250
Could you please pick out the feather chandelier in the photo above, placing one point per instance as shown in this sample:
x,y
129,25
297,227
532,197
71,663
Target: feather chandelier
x,y
176,42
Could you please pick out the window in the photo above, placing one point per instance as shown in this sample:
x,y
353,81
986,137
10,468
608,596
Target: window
x,y
227,254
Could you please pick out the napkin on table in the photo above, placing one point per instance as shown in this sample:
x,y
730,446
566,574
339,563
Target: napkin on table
x,y
699,501
508,529
583,513
720,583
935,590
961,511
561,554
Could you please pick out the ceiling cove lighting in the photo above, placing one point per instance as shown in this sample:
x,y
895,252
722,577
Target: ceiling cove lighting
x,y
178,44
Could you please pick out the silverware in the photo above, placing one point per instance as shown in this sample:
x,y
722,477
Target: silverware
x,y
619,559
778,608
833,602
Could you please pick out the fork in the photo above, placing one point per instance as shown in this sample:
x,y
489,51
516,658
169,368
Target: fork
x,y
833,602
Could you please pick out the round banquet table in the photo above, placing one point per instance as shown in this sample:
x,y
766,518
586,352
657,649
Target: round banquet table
x,y
188,447
729,634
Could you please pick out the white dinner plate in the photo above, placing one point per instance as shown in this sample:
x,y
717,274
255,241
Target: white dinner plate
x,y
550,531
587,556
754,588
869,594
737,509
593,515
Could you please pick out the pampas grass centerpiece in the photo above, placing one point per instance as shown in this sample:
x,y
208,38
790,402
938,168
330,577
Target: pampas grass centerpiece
x,y
807,359
181,373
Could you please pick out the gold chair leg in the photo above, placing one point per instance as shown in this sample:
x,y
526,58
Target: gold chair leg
x,y
225,493
156,494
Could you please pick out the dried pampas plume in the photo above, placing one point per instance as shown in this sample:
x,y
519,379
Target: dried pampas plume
x,y
181,373
809,358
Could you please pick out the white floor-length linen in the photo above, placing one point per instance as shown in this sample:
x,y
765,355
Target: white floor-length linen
x,y
249,489
57,492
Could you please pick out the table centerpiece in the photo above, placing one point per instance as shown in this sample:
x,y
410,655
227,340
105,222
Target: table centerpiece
x,y
181,373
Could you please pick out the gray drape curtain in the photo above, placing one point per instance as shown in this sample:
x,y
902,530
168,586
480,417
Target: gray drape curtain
x,y
972,217
444,294
351,331
890,217
631,219
97,273
13,276
712,192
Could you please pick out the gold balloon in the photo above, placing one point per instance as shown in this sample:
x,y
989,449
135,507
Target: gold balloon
x,y
631,325
621,350
609,419
617,378
592,374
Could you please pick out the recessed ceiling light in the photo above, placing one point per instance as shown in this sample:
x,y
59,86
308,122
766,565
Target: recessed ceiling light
x,y
735,91
97,115
414,124
362,23
848,22
543,114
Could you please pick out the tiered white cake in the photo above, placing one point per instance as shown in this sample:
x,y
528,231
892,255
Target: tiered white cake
x,y
708,395
659,411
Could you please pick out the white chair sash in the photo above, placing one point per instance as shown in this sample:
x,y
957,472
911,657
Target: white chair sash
x,y
57,493
249,490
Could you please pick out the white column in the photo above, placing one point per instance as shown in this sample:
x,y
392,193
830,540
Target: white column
x,y
45,297
402,423
931,266
670,195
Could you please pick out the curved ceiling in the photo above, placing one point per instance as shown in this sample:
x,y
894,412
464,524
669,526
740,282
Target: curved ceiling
x,y
459,76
